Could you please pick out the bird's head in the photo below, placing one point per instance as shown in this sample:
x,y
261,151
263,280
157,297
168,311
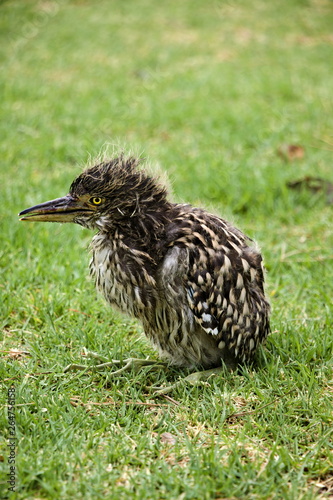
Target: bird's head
x,y
107,193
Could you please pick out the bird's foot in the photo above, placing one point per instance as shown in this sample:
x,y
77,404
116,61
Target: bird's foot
x,y
126,365
196,378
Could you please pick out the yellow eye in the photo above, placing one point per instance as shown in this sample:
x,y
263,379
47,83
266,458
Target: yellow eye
x,y
96,200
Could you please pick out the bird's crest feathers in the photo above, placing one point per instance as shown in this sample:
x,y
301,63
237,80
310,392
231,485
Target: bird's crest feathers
x,y
119,177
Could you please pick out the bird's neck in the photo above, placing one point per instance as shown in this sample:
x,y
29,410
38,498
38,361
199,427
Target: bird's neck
x,y
143,230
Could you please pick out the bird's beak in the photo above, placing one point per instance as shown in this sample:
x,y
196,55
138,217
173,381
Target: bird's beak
x,y
64,209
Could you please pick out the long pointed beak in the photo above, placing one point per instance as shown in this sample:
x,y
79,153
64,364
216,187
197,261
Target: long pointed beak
x,y
64,209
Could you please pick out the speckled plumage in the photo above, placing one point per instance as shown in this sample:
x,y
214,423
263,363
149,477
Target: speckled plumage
x,y
194,281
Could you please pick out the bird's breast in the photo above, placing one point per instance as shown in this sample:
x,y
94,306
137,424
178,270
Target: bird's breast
x,y
118,273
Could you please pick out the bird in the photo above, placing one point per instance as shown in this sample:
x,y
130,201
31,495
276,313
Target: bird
x,y
194,281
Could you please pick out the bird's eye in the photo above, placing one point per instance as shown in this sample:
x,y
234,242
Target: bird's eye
x,y
96,200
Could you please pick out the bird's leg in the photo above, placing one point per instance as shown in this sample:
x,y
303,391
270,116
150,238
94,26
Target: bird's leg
x,y
195,378
124,366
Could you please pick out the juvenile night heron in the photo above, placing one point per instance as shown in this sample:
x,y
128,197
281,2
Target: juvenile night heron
x,y
194,281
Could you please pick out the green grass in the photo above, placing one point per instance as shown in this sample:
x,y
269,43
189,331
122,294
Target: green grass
x,y
208,91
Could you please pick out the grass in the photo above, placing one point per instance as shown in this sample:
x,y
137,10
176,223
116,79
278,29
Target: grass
x,y
209,91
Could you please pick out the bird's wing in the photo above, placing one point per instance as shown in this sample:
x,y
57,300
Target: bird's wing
x,y
208,288
217,273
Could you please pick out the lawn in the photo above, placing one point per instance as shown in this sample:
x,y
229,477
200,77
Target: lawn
x,y
232,100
